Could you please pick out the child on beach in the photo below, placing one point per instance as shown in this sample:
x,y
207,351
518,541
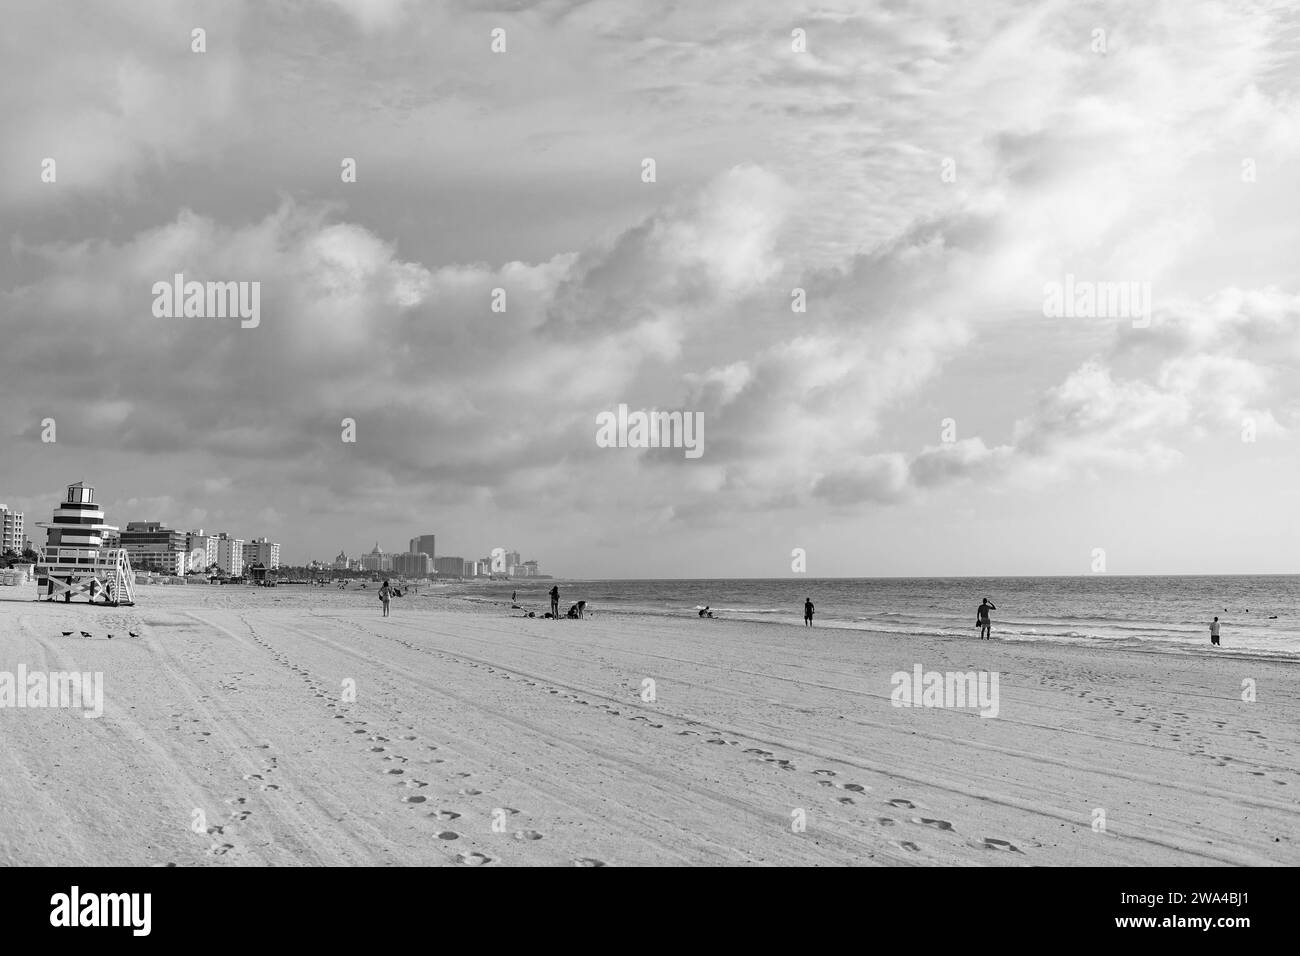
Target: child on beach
x,y
385,594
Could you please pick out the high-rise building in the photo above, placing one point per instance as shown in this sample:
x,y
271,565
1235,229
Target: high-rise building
x,y
230,554
11,530
207,543
423,544
413,565
263,552
531,569
377,560
449,567
152,546
341,563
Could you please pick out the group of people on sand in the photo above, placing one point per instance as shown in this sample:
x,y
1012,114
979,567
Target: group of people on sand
x,y
577,612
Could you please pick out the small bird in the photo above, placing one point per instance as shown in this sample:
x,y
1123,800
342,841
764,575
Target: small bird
x,y
85,634
133,633
110,637
67,633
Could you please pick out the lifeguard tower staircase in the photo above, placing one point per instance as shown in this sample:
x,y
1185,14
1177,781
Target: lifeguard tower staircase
x,y
74,560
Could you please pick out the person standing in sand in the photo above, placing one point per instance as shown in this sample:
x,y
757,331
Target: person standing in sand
x,y
807,612
982,619
555,600
385,594
1214,632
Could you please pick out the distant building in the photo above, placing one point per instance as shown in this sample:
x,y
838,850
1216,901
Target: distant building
x,y
200,541
377,560
531,569
263,552
423,544
152,546
413,565
449,567
230,554
341,563
11,530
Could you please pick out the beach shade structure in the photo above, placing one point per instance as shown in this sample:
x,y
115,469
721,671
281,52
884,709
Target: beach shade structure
x,y
74,560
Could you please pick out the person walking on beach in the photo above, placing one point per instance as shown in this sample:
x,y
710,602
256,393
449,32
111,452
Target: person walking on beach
x,y
1214,632
982,619
807,612
514,597
555,600
385,594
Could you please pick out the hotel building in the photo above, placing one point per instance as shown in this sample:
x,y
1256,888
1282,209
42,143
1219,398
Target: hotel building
x,y
230,554
152,546
11,530
264,552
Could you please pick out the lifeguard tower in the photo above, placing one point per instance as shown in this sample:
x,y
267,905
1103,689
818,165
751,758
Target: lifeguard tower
x,y
74,560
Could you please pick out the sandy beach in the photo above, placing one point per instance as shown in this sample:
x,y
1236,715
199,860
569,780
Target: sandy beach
x,y
478,737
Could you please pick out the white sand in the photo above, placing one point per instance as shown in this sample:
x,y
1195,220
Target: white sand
x,y
229,703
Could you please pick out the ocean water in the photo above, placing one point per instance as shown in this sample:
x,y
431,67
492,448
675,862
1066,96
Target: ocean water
x,y
1259,613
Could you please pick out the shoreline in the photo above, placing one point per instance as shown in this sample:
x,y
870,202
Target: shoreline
x,y
1138,645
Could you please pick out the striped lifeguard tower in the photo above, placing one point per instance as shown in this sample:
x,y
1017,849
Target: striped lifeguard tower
x,y
74,560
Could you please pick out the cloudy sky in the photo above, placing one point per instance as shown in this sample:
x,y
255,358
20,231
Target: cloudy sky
x,y
921,170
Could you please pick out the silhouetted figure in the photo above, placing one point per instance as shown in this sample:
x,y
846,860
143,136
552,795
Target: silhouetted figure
x,y
385,594
982,620
807,612
555,600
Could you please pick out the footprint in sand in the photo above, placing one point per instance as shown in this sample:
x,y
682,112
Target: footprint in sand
x,y
885,821
847,801
377,750
221,849
908,845
394,772
902,804
993,844
236,801
527,835
588,861
937,824
446,816
824,773
270,786
852,787
414,784
472,859
754,750
825,783
469,792
252,776
413,798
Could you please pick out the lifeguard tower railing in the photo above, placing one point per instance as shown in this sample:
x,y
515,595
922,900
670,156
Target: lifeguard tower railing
x,y
103,573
